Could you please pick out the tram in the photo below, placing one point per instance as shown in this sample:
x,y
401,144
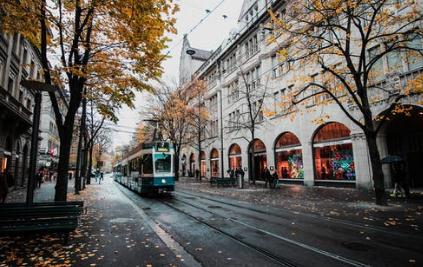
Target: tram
x,y
147,169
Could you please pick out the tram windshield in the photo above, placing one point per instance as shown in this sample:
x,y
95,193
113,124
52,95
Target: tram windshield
x,y
163,163
147,167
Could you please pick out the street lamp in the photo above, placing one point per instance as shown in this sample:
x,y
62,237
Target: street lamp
x,y
37,88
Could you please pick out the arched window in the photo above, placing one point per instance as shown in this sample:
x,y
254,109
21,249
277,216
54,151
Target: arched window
x,y
257,159
333,154
184,164
214,162
203,166
235,159
191,165
288,157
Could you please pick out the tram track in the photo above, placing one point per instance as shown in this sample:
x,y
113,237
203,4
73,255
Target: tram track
x,y
279,260
270,245
313,216
282,261
154,224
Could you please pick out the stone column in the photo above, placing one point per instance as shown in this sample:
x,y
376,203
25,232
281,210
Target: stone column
x,y
361,161
308,163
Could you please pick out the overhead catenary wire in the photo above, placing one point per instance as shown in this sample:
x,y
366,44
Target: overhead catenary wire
x,y
195,26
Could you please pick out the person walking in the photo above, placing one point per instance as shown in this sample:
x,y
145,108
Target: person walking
x,y
39,178
266,176
4,187
399,177
273,179
241,173
197,174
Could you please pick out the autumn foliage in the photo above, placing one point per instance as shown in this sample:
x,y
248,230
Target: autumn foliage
x,y
106,48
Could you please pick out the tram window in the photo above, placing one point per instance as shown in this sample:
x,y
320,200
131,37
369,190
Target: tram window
x,y
147,164
163,162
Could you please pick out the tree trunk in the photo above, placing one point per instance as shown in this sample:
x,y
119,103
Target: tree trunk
x,y
176,163
377,172
63,165
199,154
85,163
78,169
90,165
252,156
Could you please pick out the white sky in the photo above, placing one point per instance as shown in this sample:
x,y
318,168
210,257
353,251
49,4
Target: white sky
x,y
209,35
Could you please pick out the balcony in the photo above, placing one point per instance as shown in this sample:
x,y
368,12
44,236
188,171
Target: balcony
x,y
14,109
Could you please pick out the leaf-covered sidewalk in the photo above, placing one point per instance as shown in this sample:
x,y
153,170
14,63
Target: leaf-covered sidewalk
x,y
110,233
339,203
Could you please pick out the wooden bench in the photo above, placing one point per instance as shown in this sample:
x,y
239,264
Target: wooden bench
x,y
16,218
223,181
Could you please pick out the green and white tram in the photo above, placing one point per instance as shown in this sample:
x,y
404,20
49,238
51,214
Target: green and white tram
x,y
149,168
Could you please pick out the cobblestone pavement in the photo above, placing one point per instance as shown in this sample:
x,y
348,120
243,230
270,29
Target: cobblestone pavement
x,y
339,203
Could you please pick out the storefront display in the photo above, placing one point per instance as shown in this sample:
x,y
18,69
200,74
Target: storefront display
x,y
203,166
288,157
235,159
214,163
333,153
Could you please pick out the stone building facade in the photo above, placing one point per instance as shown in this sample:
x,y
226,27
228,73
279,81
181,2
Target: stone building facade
x,y
18,60
301,149
50,143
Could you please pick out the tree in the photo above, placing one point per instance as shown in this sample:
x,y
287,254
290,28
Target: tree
x,y
172,111
199,117
112,47
94,128
346,42
101,145
250,94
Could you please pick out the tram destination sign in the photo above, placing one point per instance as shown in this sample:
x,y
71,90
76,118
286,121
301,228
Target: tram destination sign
x,y
162,147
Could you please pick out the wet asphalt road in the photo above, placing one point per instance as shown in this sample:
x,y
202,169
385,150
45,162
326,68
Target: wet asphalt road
x,y
207,230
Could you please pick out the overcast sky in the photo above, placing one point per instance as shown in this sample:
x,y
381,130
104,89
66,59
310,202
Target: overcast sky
x,y
208,35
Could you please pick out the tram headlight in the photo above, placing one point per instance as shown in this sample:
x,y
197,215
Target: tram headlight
x,y
163,181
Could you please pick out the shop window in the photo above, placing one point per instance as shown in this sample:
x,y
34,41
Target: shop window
x,y
288,157
191,165
235,159
203,166
333,154
214,163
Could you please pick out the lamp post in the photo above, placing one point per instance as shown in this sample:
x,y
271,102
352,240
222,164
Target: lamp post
x,y
37,87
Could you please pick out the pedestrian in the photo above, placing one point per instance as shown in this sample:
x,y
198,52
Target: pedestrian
x,y
197,174
4,187
101,176
399,177
241,173
266,176
231,173
274,179
39,178
70,175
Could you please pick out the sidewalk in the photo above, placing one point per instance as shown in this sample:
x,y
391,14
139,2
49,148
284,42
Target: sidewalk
x,y
339,203
110,233
43,194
